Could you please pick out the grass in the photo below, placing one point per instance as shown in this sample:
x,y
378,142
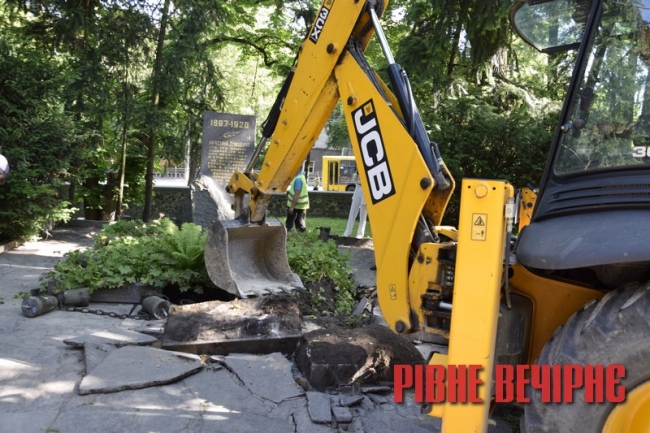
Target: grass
x,y
336,225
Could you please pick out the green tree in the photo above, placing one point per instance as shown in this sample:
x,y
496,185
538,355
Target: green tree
x,y
38,138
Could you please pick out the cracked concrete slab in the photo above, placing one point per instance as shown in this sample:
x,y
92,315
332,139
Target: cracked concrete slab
x,y
350,400
296,409
320,407
115,336
342,414
380,420
94,354
39,377
268,376
155,328
134,367
222,391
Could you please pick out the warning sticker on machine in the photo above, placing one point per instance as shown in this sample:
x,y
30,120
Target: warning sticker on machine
x,y
479,226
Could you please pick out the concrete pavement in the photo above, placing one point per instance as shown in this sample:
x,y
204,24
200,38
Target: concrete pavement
x,y
40,375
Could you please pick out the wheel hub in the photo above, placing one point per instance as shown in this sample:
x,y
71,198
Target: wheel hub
x,y
633,415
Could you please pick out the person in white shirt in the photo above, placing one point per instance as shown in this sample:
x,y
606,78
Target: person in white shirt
x,y
358,207
4,169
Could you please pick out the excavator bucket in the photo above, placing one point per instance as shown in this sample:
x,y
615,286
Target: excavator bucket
x,y
249,259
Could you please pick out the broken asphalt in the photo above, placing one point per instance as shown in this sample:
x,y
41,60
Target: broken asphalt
x,y
78,372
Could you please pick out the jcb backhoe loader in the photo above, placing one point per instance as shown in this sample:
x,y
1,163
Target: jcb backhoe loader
x,y
570,289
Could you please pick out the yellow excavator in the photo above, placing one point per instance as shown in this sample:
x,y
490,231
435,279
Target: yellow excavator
x,y
566,290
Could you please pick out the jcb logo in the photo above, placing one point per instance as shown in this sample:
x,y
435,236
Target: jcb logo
x,y
372,152
319,24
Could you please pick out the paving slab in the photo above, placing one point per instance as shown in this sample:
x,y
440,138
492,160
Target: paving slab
x,y
296,410
320,407
95,354
377,398
117,337
268,376
245,423
350,400
134,367
222,392
388,421
40,375
342,414
155,328
27,422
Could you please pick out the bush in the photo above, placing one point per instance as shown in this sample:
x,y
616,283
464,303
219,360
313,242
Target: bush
x,y
158,254
314,260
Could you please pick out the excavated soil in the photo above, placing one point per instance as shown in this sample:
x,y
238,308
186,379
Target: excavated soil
x,y
366,355
318,305
238,319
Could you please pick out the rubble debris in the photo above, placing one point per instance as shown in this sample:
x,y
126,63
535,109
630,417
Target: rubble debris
x,y
342,414
350,400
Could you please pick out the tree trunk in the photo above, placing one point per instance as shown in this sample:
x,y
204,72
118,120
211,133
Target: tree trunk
x,y
125,129
155,102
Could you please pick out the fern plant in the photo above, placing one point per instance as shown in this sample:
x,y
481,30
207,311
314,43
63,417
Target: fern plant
x,y
158,254
161,254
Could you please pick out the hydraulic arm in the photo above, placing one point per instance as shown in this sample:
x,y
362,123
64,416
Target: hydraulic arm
x,y
405,182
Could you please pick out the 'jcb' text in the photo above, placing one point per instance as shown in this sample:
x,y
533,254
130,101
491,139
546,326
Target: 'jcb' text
x,y
373,154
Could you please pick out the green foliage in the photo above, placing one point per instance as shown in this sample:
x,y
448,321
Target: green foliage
x,y
314,260
338,136
336,225
162,255
478,140
78,80
35,136
158,254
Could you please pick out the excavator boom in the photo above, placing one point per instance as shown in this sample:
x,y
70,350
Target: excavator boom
x,y
402,173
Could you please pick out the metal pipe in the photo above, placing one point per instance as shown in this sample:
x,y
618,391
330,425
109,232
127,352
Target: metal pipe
x,y
444,306
255,155
383,42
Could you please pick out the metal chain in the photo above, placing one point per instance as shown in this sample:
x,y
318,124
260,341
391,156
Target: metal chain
x,y
142,315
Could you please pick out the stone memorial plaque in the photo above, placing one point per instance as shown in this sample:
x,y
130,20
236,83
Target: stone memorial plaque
x,y
228,142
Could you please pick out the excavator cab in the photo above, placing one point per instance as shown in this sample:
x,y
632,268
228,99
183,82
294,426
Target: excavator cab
x,y
596,178
588,234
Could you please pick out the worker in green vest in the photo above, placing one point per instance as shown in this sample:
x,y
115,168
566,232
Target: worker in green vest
x,y
297,203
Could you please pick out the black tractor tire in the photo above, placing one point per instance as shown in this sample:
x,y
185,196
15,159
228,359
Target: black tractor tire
x,y
614,330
